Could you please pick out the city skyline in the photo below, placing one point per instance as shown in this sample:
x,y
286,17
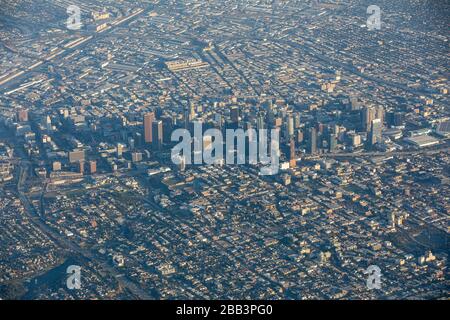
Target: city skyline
x,y
224,150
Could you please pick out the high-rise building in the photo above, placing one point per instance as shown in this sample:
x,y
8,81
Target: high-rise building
x,y
355,139
320,127
148,120
187,119
399,119
157,133
299,136
218,121
332,142
119,149
297,120
159,112
260,122
292,156
136,157
251,137
354,104
270,119
48,123
76,156
376,131
81,167
335,129
131,143
290,126
278,122
93,167
138,139
167,128
234,114
312,142
379,113
367,115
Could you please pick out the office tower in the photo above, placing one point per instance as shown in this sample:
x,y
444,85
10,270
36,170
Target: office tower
x,y
157,133
251,137
119,149
48,123
297,121
187,119
332,142
269,105
131,143
270,119
312,143
334,129
234,114
299,136
290,126
92,167
355,139
136,157
390,118
158,112
218,120
22,115
148,120
123,121
260,123
278,122
138,139
354,104
81,167
320,127
367,115
167,128
76,156
292,156
399,119
175,120
375,131
379,113
285,131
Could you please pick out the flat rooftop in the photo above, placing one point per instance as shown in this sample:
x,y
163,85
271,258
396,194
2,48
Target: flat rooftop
x,y
422,141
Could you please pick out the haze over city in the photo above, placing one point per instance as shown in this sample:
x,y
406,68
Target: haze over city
x,y
224,149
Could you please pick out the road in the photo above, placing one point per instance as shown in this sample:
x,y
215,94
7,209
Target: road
x,y
23,73
82,253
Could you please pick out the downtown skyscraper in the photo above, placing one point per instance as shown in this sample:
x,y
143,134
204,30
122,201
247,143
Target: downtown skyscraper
x,y
148,120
